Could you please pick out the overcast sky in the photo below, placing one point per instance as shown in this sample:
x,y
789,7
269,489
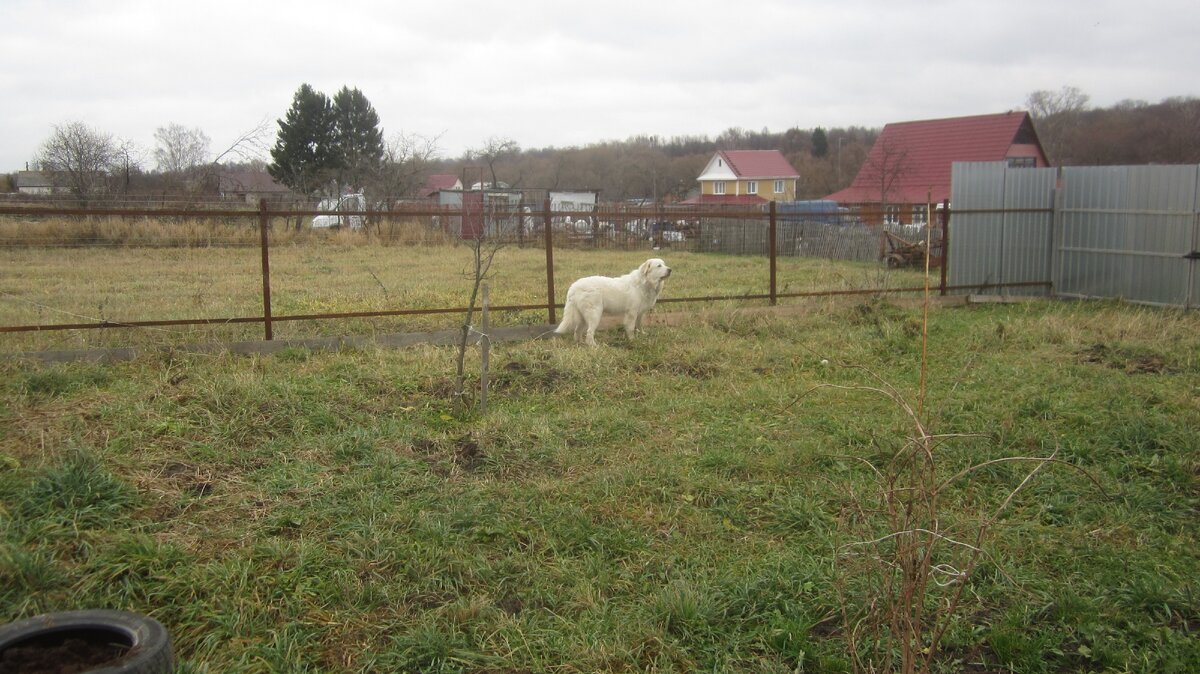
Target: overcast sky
x,y
556,73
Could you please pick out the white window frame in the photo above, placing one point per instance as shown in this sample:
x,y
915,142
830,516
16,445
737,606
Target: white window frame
x,y
891,215
718,187
751,187
919,215
779,187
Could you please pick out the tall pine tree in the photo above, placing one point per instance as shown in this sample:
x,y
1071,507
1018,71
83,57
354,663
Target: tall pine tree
x,y
305,156
358,138
820,143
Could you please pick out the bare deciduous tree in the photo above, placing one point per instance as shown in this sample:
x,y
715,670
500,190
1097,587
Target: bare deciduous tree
x,y
126,165
80,159
406,160
248,146
484,247
1056,114
1044,103
492,152
179,148
886,167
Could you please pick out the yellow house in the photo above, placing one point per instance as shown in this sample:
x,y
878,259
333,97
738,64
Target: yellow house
x,y
747,177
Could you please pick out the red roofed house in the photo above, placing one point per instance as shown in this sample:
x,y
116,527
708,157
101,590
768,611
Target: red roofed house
x,y
438,182
909,164
746,177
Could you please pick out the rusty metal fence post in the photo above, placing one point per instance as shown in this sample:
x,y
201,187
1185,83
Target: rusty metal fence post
x,y
264,224
945,245
549,260
771,235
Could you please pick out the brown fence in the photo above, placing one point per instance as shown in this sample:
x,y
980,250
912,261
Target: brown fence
x,y
756,232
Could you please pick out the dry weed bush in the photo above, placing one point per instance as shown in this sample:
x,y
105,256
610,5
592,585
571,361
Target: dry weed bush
x,y
907,558
907,561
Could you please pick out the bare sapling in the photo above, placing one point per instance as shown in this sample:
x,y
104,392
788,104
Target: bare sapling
x,y
483,253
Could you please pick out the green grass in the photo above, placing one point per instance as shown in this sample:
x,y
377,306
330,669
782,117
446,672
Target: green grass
x,y
668,505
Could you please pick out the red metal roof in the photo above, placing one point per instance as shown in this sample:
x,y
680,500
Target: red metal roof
x,y
758,164
924,151
439,181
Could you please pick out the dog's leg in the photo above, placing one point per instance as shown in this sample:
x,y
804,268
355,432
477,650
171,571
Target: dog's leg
x,y
632,318
592,319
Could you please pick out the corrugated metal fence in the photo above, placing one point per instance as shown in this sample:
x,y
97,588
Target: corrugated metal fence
x,y
1127,232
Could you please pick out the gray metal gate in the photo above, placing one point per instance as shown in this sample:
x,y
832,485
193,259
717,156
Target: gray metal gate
x,y
1126,231
1129,232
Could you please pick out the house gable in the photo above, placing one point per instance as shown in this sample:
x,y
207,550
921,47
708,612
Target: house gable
x,y
718,168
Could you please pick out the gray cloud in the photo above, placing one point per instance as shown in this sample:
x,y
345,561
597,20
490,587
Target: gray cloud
x,y
549,73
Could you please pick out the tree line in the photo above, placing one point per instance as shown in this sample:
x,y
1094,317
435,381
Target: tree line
x,y
663,169
1072,132
324,146
1130,132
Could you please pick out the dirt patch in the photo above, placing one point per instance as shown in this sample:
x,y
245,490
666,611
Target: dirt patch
x,y
1126,360
424,446
441,388
511,605
464,452
537,377
467,453
187,478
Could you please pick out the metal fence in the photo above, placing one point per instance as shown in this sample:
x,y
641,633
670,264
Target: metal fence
x,y
1128,232
519,224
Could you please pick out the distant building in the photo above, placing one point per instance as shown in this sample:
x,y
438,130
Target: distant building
x,y
746,177
909,164
34,182
250,186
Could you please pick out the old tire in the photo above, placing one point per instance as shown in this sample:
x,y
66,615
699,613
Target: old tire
x,y
146,644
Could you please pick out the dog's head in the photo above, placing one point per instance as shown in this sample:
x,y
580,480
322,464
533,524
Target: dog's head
x,y
655,271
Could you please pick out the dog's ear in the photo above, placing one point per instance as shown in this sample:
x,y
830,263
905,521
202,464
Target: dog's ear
x,y
644,268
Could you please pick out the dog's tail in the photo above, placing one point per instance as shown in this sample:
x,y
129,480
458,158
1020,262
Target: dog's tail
x,y
571,319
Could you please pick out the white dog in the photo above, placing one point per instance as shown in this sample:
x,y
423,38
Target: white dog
x,y
631,295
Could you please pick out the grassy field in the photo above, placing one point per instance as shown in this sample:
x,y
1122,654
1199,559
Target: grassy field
x,y
342,272
691,501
